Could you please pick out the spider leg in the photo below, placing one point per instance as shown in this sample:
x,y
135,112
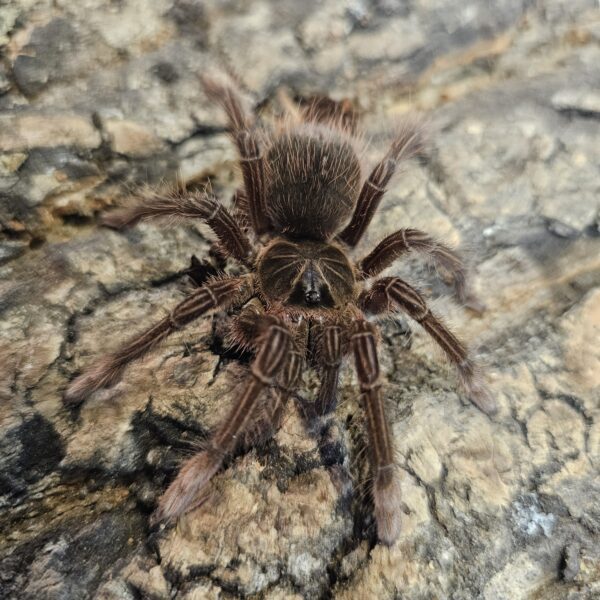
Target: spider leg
x,y
251,158
219,293
406,240
269,420
391,293
275,345
240,209
330,349
321,109
386,488
407,144
195,205
268,417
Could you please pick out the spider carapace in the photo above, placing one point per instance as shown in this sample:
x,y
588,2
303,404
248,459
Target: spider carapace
x,y
303,301
313,181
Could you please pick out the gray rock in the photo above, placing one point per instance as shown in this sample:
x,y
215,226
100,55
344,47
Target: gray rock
x,y
10,250
583,102
100,98
44,56
5,83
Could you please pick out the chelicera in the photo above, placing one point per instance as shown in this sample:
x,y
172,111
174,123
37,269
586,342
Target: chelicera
x,y
302,300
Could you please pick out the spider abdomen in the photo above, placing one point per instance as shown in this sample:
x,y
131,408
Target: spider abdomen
x,y
314,178
307,274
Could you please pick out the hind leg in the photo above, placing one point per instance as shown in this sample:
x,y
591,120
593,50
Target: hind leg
x,y
246,140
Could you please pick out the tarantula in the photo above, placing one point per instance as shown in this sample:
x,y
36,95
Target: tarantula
x,y
303,206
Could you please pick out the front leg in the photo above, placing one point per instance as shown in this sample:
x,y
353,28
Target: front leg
x,y
392,293
406,240
268,417
386,484
275,346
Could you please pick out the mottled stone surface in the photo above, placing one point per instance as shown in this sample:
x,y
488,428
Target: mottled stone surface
x,y
98,97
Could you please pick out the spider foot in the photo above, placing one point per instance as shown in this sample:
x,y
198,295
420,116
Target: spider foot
x,y
102,374
387,496
480,395
183,493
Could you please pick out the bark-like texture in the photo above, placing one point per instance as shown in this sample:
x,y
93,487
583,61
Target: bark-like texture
x,y
99,96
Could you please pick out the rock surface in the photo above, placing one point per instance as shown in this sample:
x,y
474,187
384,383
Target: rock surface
x,y
99,97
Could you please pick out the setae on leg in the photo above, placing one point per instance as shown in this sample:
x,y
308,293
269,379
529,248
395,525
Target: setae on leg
x,y
275,346
392,293
106,371
196,205
386,484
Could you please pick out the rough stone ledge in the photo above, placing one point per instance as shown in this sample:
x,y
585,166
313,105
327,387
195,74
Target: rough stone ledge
x,y
95,101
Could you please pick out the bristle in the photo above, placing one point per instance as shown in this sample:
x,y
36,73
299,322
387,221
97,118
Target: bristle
x,y
409,139
291,110
387,496
322,109
183,492
102,374
475,388
313,177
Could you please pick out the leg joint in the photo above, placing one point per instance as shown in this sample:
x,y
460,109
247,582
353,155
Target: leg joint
x,y
420,317
369,386
260,376
212,295
173,322
376,187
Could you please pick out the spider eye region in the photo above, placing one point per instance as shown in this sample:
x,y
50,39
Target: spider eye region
x,y
306,274
311,288
312,297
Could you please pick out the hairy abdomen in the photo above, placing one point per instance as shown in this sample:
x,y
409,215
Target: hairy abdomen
x,y
314,178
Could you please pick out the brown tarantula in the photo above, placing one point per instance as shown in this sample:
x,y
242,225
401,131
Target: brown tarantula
x,y
304,204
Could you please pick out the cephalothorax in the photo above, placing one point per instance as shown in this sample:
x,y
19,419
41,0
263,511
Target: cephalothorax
x,y
306,274
303,206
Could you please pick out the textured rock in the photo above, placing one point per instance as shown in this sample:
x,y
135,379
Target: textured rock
x,y
22,132
98,98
